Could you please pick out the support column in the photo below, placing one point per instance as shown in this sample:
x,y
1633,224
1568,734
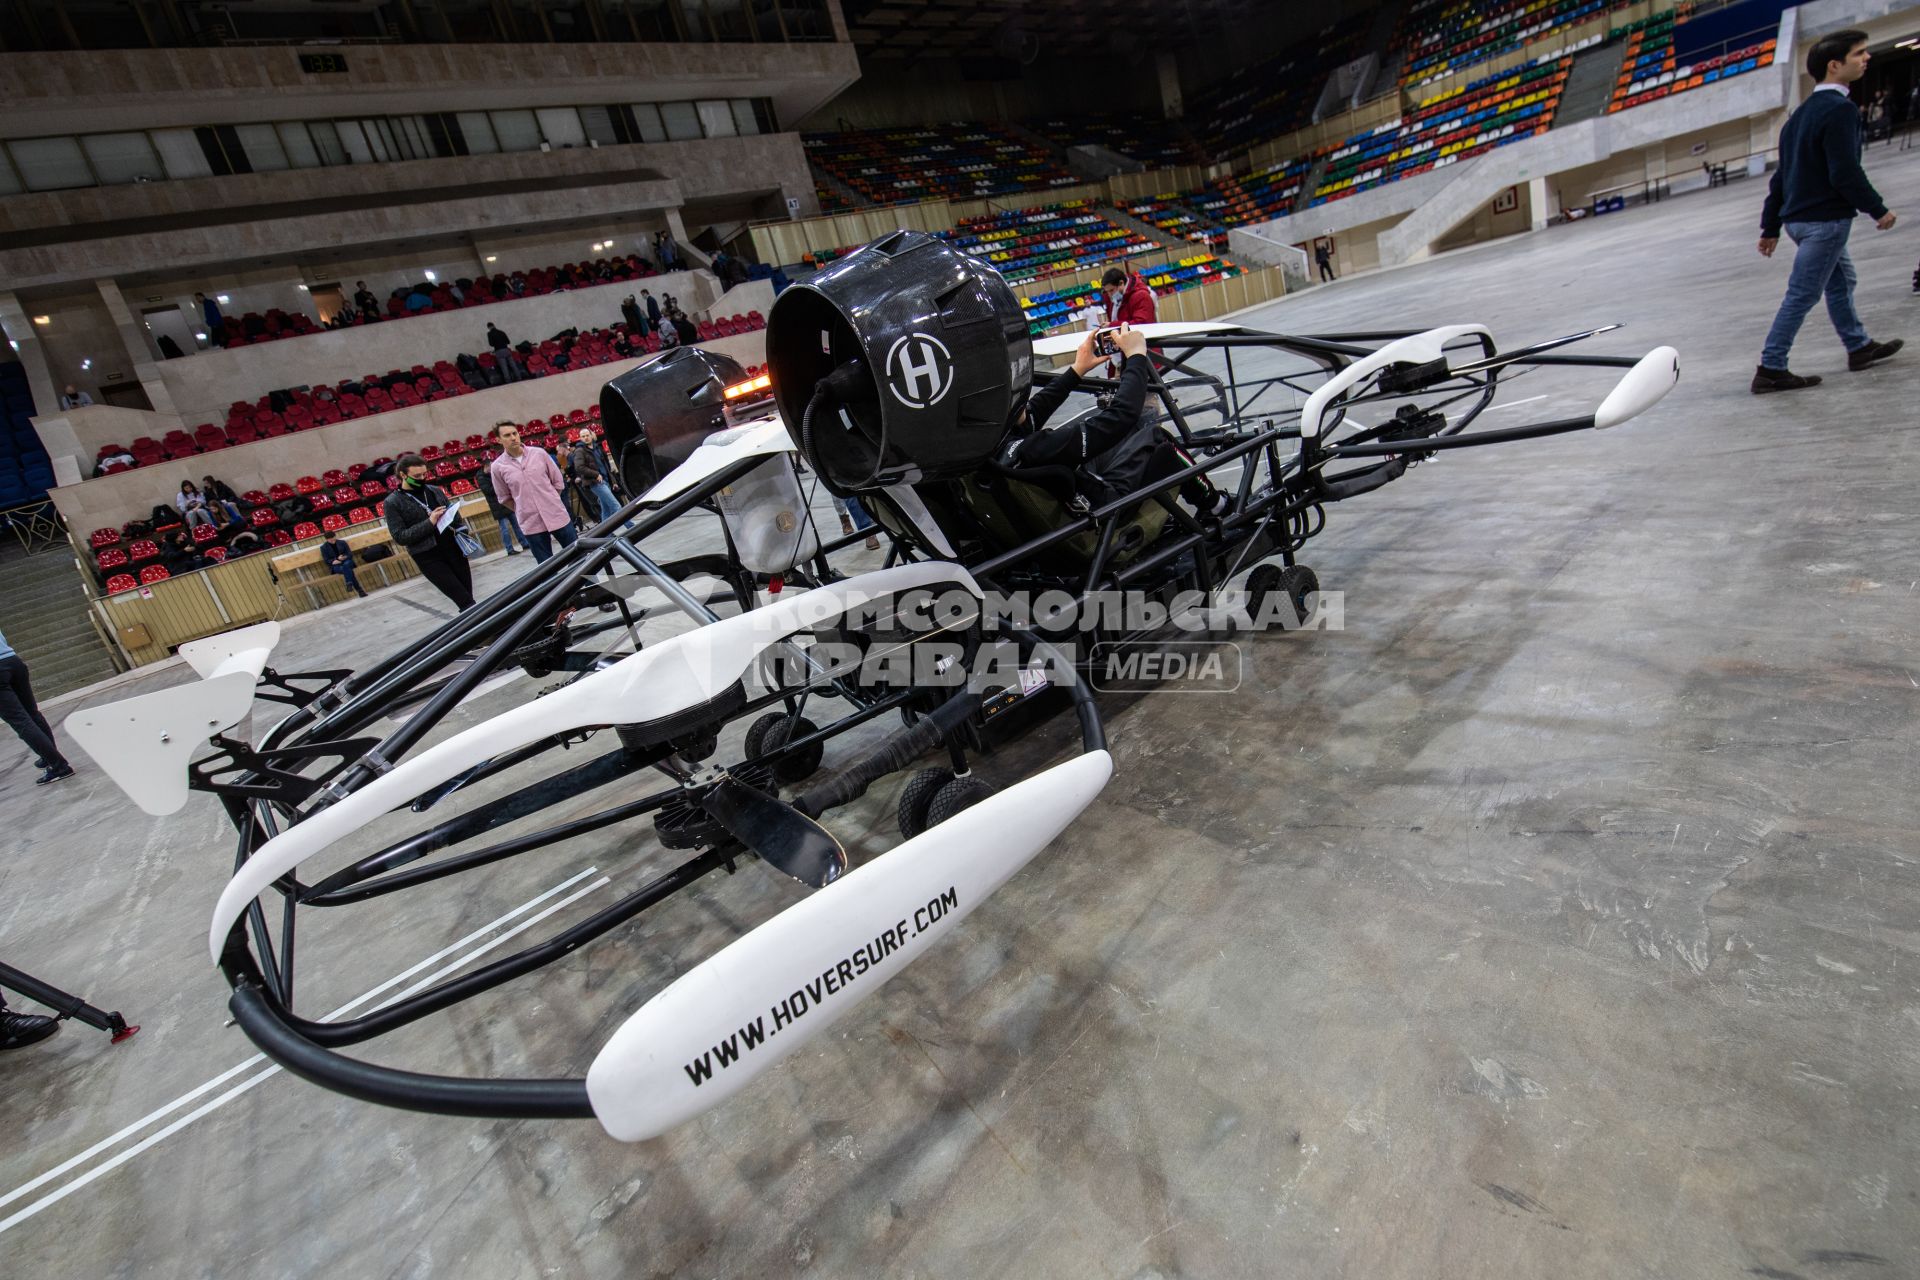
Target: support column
x,y
133,337
678,229
31,354
1539,203
1172,105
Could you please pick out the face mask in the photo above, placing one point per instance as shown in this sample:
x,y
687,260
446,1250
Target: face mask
x,y
412,482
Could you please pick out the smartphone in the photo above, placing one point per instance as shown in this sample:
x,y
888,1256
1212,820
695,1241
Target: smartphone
x,y
1103,344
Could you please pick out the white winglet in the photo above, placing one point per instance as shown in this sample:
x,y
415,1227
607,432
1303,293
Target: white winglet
x,y
145,743
1657,373
763,437
715,1029
247,647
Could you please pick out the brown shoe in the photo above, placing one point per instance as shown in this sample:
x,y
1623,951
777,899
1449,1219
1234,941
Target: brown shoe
x,y
1765,380
1872,353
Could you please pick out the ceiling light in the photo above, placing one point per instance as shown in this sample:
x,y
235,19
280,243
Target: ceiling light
x,y
493,257
223,299
432,276
85,365
43,321
198,337
302,288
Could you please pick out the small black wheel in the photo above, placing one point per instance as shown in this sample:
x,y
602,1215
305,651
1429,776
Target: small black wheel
x,y
771,730
961,793
1295,581
919,794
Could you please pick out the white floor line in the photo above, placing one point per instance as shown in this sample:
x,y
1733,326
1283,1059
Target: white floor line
x,y
106,1143
1515,404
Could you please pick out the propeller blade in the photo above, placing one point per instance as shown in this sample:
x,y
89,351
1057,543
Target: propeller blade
x,y
785,838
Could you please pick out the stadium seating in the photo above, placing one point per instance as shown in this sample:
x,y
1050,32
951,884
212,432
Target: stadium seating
x,y
962,161
1439,37
1154,143
1025,244
26,472
1651,69
1050,310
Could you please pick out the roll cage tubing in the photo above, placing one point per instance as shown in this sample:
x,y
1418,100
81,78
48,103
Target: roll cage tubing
x,y
267,789
307,1047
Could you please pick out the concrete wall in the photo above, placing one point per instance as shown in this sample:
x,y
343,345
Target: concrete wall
x,y
204,385
295,215
98,91
115,499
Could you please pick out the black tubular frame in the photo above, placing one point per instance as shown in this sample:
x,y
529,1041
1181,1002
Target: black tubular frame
x,y
327,747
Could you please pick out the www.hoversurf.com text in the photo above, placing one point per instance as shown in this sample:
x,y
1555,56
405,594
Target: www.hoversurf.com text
x,y
830,982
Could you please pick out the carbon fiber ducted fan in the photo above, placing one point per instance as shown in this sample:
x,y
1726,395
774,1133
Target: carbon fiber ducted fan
x,y
903,361
655,416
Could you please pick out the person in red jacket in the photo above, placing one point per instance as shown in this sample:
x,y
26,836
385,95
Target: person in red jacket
x,y
1129,300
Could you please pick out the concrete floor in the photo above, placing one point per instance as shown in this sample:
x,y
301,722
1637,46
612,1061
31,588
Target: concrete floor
x,y
1550,920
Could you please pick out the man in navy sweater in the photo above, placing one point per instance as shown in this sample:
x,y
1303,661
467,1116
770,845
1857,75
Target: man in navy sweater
x,y
1817,190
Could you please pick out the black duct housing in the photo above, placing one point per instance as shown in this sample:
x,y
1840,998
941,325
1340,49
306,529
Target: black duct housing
x,y
656,415
925,355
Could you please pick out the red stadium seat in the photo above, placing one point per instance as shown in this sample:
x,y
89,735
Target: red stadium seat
x,y
263,518
304,530
154,573
253,498
215,554
112,558
346,495
333,522
121,582
277,537
459,487
280,492
205,533
143,550
307,484
320,502
332,479
373,489
360,515
103,538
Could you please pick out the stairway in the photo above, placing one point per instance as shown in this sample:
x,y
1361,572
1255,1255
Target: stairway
x,y
43,611
1121,218
1590,84
827,182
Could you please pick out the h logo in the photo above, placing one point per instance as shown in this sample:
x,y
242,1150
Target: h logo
x,y
919,370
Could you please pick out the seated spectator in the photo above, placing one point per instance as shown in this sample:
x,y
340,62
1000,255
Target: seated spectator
x,y
419,298
179,555
73,398
689,332
244,543
338,557
121,459
192,505
221,497
517,283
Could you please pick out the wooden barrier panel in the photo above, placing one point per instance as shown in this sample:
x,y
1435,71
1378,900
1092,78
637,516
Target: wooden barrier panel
x,y
152,623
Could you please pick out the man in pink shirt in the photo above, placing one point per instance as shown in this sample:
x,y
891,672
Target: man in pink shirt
x,y
529,484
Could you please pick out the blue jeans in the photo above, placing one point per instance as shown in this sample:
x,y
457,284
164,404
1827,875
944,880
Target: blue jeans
x,y
541,544
603,494
1820,265
510,531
